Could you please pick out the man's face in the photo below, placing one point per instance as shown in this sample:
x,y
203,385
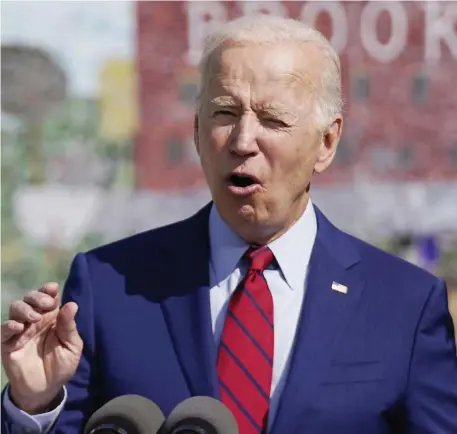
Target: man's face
x,y
256,136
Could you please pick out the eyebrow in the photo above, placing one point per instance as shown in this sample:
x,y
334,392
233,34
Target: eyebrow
x,y
266,108
224,100
227,100
272,108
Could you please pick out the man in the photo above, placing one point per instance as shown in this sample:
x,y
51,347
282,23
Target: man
x,y
257,300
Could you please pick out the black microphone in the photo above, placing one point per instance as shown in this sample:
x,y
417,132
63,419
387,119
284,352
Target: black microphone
x,y
127,414
200,415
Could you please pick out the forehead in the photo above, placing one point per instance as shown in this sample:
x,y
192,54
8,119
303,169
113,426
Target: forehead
x,y
277,72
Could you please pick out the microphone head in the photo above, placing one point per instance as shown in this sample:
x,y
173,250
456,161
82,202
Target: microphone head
x,y
133,413
201,414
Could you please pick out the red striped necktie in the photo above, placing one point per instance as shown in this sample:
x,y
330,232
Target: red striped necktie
x,y
245,360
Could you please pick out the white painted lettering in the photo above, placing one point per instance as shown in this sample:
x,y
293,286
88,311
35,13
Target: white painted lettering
x,y
399,30
440,22
335,10
440,25
256,7
201,17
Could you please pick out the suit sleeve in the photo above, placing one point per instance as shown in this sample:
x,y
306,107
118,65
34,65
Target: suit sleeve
x,y
432,385
81,390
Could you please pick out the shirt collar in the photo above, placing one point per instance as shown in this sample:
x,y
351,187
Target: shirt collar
x,y
292,250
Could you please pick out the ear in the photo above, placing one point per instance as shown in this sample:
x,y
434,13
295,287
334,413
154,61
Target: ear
x,y
196,139
328,145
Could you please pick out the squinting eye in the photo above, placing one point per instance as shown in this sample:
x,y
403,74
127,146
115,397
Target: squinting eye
x,y
275,122
224,113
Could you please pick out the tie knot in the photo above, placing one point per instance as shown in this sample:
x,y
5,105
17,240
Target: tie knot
x,y
259,257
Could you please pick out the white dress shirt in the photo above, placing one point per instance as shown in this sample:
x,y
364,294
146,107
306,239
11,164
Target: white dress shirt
x,y
287,284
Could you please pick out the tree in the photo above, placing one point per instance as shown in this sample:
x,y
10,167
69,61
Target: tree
x,y
33,85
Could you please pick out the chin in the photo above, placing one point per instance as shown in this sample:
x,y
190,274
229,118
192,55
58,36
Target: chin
x,y
240,213
251,209
251,223
248,213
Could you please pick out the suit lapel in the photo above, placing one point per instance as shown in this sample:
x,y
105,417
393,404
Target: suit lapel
x,y
324,315
187,309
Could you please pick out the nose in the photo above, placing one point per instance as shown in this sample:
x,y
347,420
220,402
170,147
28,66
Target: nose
x,y
243,140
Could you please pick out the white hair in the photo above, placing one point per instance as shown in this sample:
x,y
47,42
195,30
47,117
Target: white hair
x,y
268,30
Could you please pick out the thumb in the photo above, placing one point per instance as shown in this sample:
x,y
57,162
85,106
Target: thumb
x,y
66,329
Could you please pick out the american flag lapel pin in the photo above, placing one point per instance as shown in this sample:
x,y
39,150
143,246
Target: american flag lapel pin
x,y
338,287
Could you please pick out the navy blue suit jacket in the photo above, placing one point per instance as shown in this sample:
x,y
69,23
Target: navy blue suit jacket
x,y
379,359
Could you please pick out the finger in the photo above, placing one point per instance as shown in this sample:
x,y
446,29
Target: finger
x,y
41,301
22,312
51,288
66,325
11,328
18,341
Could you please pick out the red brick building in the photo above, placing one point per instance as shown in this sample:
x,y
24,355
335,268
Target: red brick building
x,y
399,64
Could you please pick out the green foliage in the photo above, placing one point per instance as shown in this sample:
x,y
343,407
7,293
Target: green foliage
x,y
73,127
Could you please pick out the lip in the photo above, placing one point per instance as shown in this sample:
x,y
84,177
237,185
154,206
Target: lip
x,y
244,191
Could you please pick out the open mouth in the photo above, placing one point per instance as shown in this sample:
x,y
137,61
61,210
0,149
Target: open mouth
x,y
241,184
242,181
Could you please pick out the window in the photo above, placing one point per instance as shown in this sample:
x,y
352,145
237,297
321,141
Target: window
x,y
406,157
188,92
174,151
361,87
453,153
382,159
420,88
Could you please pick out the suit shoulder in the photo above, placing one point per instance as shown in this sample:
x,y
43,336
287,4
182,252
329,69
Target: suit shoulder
x,y
150,241
386,267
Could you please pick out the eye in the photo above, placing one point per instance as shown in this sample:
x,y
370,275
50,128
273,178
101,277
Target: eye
x,y
274,123
224,113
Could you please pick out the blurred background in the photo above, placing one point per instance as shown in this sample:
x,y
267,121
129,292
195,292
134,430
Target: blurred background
x,y
97,109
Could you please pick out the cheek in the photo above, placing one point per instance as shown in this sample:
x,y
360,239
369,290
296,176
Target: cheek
x,y
220,136
214,138
291,164
212,148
